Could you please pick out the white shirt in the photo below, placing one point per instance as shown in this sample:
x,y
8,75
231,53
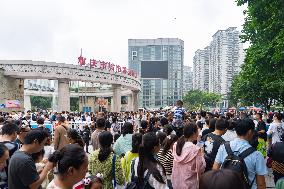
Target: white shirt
x,y
229,135
275,130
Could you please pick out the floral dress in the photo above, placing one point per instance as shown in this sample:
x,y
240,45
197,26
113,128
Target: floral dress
x,y
105,168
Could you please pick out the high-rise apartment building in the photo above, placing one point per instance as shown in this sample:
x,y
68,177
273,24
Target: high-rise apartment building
x,y
159,62
187,79
216,65
201,70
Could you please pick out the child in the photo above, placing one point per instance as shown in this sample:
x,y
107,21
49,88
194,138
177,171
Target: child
x,y
94,182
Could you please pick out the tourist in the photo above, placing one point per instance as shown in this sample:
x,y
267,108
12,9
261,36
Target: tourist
x,y
86,135
178,116
124,142
165,156
255,163
8,137
130,155
189,163
4,156
161,136
212,142
147,168
276,129
72,164
60,133
276,152
22,171
103,160
211,127
23,130
261,132
75,138
115,128
100,127
230,133
221,179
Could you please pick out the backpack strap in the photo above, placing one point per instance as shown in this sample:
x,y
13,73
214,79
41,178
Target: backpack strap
x,y
228,148
247,152
113,170
132,170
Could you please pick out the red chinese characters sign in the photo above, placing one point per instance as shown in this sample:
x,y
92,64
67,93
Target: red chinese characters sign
x,y
108,66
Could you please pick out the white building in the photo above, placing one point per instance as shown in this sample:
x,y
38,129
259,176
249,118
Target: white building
x,y
187,79
201,70
216,65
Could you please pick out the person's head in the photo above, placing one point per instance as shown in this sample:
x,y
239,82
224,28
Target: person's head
x,y
258,116
72,163
101,123
164,121
94,182
190,133
148,149
222,125
232,124
277,117
221,179
212,123
207,122
136,141
22,132
168,129
61,119
38,157
169,142
161,136
114,119
105,140
2,120
144,124
10,130
74,137
36,140
116,136
179,103
203,114
40,121
127,128
245,128
4,156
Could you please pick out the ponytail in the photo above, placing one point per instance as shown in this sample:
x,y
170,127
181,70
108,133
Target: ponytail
x,y
104,153
180,144
55,157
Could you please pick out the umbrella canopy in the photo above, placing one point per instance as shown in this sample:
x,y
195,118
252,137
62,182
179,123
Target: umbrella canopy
x,y
242,108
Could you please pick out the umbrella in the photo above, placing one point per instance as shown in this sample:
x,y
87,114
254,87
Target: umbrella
x,y
242,108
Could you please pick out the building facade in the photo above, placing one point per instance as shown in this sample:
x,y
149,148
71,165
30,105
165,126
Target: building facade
x,y
160,64
215,67
187,79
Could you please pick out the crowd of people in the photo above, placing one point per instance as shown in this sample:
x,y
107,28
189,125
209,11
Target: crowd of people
x,y
162,149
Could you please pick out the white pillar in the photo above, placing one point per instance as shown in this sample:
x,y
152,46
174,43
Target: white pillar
x,y
129,103
135,101
116,97
54,102
63,95
27,102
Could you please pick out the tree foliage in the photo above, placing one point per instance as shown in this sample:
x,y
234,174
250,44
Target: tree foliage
x,y
40,102
261,79
74,104
197,99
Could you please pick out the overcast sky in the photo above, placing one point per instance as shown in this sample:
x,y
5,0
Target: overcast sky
x,y
55,30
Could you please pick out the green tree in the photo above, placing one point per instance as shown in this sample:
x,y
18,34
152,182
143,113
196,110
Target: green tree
x,y
41,102
74,104
261,79
197,99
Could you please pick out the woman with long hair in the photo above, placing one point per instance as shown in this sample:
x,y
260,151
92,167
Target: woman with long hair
x,y
72,164
124,142
130,155
103,160
189,162
165,156
148,169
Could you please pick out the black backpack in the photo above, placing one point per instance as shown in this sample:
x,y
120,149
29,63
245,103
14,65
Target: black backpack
x,y
134,184
236,163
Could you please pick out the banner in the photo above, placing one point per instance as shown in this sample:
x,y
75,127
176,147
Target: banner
x,y
13,104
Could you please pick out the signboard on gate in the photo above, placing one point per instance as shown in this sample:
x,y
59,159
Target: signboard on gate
x,y
108,66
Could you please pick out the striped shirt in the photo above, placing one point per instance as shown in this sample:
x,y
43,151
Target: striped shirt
x,y
166,160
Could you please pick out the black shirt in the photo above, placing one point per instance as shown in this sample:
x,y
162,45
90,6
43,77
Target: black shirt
x,y
22,171
261,126
212,143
